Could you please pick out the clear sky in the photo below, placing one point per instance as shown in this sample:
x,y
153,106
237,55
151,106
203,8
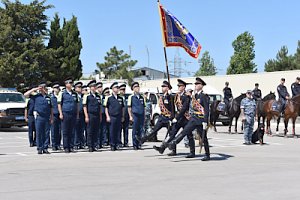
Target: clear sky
x,y
134,24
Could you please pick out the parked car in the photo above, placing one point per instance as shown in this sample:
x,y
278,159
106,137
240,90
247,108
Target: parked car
x,y
12,108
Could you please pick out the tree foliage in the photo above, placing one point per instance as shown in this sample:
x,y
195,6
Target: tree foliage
x,y
24,57
117,65
207,66
242,60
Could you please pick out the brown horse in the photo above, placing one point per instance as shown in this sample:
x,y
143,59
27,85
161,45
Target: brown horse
x,y
270,113
291,111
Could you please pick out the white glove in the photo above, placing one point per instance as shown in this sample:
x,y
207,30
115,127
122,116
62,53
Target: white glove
x,y
204,124
174,121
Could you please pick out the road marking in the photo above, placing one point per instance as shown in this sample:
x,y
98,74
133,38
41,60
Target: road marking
x,y
21,154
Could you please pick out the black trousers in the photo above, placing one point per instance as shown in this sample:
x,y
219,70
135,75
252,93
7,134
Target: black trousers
x,y
162,122
92,130
175,128
194,123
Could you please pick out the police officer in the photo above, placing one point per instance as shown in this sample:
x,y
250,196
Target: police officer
x,y
43,115
199,111
125,123
227,95
256,92
80,123
283,94
136,109
92,111
114,109
248,108
166,104
29,118
104,124
56,126
296,87
99,90
182,102
68,107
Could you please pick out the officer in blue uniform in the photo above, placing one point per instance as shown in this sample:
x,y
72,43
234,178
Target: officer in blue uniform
x,y
56,126
29,118
296,87
104,124
99,90
68,107
114,109
136,110
248,109
283,94
125,123
80,124
92,113
166,104
182,102
199,111
43,115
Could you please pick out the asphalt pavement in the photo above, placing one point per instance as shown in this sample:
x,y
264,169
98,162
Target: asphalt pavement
x,y
236,171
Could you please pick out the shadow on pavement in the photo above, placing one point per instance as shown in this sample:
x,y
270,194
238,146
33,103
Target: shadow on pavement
x,y
14,129
213,157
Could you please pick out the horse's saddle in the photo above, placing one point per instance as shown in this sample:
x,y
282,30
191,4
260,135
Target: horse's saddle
x,y
276,106
221,107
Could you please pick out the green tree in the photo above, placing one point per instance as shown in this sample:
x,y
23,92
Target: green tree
x,y
242,60
207,66
23,55
117,65
297,56
282,62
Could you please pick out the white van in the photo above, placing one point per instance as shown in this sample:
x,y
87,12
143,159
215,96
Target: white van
x,y
12,108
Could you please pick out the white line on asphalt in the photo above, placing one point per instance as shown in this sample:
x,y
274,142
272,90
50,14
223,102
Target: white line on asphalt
x,y
21,154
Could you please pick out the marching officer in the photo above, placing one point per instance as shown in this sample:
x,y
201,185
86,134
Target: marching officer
x,y
56,126
68,107
227,95
92,112
43,115
29,118
80,123
114,109
182,102
136,109
104,123
296,87
166,105
125,124
248,108
199,111
283,93
256,92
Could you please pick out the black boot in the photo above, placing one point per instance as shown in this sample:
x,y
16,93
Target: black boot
x,y
175,141
141,140
173,152
206,158
160,149
192,149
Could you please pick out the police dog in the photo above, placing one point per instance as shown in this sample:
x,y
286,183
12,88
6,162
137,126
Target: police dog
x,y
258,135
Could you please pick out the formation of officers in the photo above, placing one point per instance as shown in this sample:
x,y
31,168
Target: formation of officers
x,y
93,117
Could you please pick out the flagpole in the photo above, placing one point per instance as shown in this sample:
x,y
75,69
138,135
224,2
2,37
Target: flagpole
x,y
165,51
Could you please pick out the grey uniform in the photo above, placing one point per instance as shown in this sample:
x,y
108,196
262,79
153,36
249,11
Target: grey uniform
x,y
249,107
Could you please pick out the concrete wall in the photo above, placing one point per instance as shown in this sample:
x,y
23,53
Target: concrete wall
x,y
268,81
